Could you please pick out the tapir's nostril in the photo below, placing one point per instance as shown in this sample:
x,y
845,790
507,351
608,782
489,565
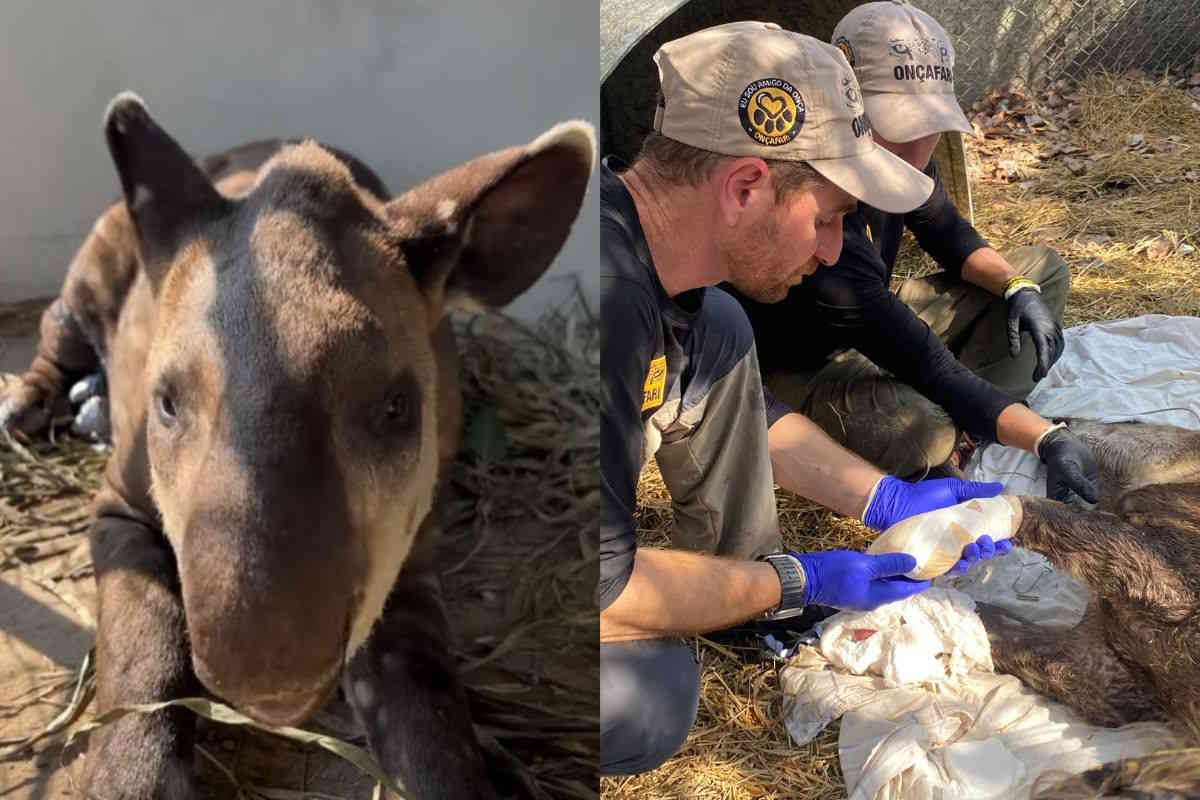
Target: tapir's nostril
x,y
287,705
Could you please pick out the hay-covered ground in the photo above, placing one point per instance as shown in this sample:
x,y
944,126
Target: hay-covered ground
x,y
520,573
1111,180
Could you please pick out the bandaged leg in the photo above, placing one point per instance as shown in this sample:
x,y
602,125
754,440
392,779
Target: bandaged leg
x,y
936,538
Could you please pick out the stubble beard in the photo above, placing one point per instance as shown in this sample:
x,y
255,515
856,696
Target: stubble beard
x,y
753,263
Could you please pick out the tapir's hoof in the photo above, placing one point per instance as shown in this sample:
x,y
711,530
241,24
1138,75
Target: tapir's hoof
x,y
23,408
128,768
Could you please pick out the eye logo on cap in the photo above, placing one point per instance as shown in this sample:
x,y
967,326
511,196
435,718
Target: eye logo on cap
x,y
843,44
850,92
771,111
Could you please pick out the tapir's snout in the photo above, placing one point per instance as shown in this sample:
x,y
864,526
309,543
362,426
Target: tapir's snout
x,y
268,612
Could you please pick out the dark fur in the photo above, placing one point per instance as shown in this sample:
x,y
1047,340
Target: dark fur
x,y
1136,654
244,571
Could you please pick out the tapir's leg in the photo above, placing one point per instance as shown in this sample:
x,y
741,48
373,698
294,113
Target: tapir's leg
x,y
1137,569
141,657
74,328
404,687
1173,506
1076,667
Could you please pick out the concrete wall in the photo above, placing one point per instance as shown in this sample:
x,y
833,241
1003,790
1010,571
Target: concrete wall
x,y
410,86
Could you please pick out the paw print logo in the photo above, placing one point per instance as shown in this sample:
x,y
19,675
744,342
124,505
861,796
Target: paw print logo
x,y
771,111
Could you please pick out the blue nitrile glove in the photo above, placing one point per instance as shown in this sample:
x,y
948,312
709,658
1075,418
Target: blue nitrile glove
x,y
857,581
894,499
981,549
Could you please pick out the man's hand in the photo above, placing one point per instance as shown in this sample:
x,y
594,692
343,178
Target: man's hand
x,y
1028,312
857,581
1070,467
981,549
894,500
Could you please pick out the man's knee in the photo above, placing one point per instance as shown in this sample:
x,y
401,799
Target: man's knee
x,y
886,421
649,695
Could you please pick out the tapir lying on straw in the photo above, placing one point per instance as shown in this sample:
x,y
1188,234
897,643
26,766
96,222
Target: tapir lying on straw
x,y
283,394
1136,654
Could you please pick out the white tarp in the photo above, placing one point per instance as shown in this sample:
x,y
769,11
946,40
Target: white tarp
x,y
923,716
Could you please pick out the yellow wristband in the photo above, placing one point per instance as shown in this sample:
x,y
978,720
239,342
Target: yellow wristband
x,y
1018,283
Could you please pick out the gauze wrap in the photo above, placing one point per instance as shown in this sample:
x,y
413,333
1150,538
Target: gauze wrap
x,y
936,538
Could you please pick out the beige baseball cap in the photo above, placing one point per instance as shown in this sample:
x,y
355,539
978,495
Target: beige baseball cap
x,y
905,65
754,89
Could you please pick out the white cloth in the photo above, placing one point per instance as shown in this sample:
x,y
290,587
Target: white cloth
x,y
923,715
927,719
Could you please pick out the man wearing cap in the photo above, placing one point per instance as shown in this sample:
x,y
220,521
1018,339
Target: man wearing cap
x,y
760,148
894,377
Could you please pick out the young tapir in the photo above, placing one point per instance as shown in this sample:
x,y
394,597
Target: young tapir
x,y
1136,653
283,392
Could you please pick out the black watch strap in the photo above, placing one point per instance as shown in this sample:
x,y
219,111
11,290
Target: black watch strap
x,y
791,586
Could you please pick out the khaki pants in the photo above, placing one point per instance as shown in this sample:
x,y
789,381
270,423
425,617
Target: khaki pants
x,y
890,423
711,441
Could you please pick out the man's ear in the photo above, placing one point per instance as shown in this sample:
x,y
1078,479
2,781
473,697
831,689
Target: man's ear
x,y
166,193
482,233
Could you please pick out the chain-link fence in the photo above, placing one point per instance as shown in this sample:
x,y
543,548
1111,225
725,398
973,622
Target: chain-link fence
x,y
1040,40
1034,40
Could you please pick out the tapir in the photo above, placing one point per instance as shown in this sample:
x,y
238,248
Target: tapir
x,y
283,388
1136,654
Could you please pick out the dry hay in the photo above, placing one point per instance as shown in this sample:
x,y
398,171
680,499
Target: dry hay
x,y
521,553
1102,223
521,572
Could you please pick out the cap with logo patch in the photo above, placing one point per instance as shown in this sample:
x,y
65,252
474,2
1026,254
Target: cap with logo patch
x,y
754,89
904,62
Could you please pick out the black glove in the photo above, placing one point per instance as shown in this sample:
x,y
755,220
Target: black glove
x,y
1070,467
1028,312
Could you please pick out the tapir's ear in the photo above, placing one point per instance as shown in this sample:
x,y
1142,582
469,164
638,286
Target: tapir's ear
x,y
166,193
483,232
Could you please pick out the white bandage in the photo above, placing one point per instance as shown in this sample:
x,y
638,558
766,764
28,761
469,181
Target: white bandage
x,y
936,538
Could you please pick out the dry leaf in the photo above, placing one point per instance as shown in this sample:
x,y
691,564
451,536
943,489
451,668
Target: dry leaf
x,y
1157,248
1088,239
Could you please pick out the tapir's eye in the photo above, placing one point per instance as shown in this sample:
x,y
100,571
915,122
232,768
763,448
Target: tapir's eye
x,y
164,406
403,405
399,410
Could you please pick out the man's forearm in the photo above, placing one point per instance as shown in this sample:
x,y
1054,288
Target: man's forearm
x,y
988,270
676,592
809,463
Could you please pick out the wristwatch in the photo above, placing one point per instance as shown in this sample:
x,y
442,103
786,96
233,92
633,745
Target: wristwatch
x,y
791,586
